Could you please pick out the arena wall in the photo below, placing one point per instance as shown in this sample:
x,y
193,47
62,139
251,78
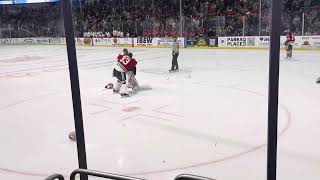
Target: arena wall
x,y
302,42
241,42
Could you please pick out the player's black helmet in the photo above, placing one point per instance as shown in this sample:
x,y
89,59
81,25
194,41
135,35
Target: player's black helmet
x,y
130,55
125,51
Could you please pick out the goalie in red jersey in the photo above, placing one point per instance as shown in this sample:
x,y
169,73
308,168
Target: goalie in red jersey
x,y
289,44
123,65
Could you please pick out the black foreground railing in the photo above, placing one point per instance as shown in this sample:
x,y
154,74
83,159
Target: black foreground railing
x,y
117,176
191,177
54,177
100,174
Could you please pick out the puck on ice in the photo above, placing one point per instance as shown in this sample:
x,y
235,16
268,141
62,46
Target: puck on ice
x,y
72,136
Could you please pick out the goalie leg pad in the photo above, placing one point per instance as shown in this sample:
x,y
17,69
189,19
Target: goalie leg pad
x,y
121,76
132,81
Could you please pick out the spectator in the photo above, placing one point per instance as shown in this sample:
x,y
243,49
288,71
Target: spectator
x,y
114,18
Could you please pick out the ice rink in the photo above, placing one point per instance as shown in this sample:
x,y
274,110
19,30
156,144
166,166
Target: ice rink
x,y
209,119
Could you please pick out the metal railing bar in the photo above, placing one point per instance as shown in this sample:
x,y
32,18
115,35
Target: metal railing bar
x,y
55,176
100,174
191,177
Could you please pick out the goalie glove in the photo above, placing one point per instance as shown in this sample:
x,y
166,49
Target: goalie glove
x,y
109,86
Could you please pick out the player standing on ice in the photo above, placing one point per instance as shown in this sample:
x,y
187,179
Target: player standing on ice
x,y
131,75
289,44
175,54
123,65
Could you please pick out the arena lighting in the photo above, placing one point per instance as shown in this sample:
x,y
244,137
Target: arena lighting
x,y
26,1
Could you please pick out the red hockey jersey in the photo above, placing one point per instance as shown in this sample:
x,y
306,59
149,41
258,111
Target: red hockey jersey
x,y
290,37
126,63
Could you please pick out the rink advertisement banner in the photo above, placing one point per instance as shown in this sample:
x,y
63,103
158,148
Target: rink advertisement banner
x,y
102,41
168,42
112,42
307,42
87,41
236,41
201,42
300,42
264,41
163,42
17,41
212,42
8,41
192,42
57,41
145,41
124,42
42,41
79,41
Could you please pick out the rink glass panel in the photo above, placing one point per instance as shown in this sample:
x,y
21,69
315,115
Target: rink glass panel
x,y
201,120
36,104
209,118
298,75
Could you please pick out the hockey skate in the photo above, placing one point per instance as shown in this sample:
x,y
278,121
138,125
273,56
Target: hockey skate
x,y
134,88
124,94
173,70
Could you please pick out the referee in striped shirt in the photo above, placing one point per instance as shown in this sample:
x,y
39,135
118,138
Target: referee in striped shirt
x,y
175,54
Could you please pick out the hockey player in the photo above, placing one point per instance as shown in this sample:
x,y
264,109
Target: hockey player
x,y
131,76
123,64
289,44
175,54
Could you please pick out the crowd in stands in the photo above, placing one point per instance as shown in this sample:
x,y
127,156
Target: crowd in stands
x,y
199,17
36,20
115,33
124,18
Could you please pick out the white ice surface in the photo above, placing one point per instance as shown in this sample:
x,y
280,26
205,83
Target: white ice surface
x,y
213,123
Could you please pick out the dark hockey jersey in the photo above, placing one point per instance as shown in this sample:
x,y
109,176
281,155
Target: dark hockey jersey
x,y
126,63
